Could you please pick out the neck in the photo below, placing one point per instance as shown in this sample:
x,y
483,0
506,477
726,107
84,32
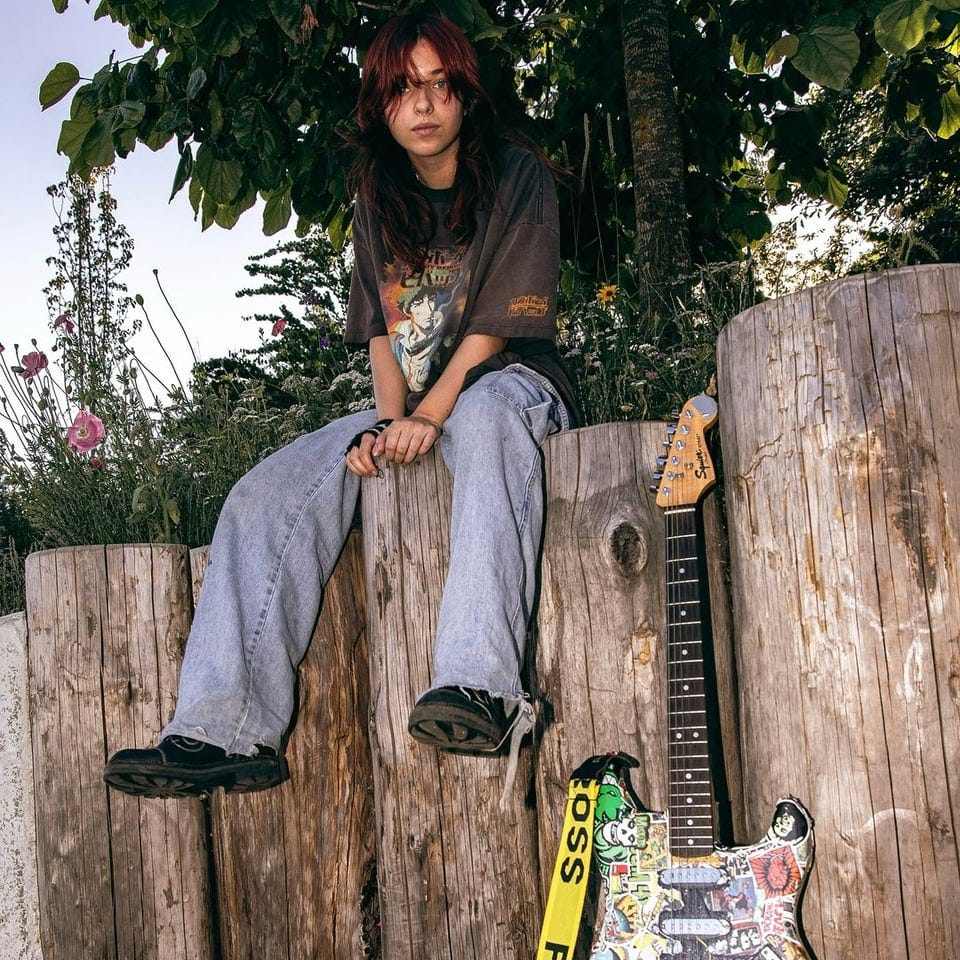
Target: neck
x,y
438,173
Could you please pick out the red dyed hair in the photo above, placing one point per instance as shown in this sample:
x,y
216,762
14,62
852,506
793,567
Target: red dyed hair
x,y
382,174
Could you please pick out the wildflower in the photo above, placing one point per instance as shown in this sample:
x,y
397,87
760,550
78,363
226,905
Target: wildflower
x,y
64,321
324,343
96,463
85,432
607,292
278,327
32,364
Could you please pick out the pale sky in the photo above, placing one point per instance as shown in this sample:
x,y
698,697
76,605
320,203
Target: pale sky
x,y
200,270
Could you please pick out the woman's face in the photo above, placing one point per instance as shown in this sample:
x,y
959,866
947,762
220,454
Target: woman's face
x,y
425,118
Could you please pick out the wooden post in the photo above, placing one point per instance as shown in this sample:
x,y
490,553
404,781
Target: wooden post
x,y
119,877
842,459
601,652
296,872
458,877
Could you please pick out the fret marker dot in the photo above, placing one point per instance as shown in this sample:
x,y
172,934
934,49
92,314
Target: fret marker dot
x,y
684,651
679,736
690,842
686,686
683,569
689,823
696,735
689,799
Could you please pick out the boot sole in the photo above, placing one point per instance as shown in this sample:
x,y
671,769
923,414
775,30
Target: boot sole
x,y
166,781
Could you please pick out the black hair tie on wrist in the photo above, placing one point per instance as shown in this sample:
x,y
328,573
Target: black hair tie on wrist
x,y
374,431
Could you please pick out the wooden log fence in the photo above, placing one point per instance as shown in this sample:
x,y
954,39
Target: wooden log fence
x,y
835,616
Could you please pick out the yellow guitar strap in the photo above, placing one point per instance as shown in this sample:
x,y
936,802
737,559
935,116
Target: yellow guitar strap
x,y
561,919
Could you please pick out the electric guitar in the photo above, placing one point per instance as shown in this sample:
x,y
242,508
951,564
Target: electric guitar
x,y
667,889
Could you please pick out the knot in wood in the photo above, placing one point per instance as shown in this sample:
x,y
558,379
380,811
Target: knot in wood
x,y
628,548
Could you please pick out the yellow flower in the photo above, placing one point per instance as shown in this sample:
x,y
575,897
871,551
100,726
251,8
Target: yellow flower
x,y
607,292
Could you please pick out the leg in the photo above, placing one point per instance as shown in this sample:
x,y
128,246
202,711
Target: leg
x,y
491,444
277,540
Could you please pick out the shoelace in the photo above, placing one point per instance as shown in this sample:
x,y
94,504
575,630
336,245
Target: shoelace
x,y
520,726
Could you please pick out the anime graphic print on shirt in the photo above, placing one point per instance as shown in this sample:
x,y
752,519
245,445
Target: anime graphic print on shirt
x,y
423,313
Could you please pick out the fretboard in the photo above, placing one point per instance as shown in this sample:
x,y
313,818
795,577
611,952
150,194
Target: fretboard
x,y
691,795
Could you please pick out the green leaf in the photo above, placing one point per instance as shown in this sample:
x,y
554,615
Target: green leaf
x,y
827,55
946,4
97,149
184,170
751,62
128,115
72,134
195,194
276,213
786,46
60,5
187,13
836,189
950,108
221,179
289,15
902,25
58,83
195,84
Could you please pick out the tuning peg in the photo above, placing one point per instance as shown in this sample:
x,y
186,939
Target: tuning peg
x,y
658,477
674,414
654,488
661,461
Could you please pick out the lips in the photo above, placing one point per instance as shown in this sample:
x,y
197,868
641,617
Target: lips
x,y
425,129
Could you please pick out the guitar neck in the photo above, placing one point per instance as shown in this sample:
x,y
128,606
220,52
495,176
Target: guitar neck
x,y
691,792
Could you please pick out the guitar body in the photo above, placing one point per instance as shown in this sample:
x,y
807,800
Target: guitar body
x,y
738,902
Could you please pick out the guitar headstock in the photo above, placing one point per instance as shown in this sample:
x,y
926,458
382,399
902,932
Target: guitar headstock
x,y
688,471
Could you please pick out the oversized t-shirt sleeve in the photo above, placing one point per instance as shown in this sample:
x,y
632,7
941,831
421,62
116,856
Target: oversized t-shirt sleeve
x,y
517,293
364,310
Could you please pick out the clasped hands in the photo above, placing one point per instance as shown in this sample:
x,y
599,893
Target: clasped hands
x,y
400,441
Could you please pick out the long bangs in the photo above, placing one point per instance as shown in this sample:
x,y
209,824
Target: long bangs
x,y
386,67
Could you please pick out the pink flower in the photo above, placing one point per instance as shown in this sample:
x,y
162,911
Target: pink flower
x,y
33,363
96,463
278,327
64,321
85,432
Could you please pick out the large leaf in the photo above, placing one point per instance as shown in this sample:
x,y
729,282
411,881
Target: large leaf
x,y
187,13
827,55
128,114
97,148
184,170
950,109
276,213
902,25
72,133
289,15
786,46
221,179
58,83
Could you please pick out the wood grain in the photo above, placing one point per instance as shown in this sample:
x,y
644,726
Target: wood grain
x,y
119,877
841,464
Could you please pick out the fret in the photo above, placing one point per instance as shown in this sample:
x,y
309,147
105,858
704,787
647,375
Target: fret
x,y
690,786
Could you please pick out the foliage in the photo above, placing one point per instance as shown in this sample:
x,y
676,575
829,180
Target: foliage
x,y
639,350
97,449
256,97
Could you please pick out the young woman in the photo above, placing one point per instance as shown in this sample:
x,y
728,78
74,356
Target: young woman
x,y
445,206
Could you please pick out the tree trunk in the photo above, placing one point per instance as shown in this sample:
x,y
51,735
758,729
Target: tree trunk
x,y
458,876
841,461
296,871
120,878
662,240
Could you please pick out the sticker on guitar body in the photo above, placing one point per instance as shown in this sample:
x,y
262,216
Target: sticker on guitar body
x,y
734,903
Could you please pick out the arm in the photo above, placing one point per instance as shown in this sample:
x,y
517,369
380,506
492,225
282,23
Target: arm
x,y
390,394
411,437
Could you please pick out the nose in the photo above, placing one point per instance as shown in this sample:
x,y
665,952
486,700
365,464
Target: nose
x,y
423,103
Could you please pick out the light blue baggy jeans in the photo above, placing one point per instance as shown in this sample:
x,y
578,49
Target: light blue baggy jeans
x,y
283,527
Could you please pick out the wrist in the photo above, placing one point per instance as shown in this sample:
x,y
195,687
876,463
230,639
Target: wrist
x,y
429,421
